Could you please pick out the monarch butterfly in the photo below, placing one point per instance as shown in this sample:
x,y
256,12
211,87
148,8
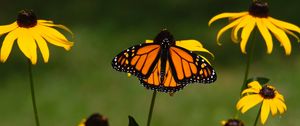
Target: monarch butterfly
x,y
163,66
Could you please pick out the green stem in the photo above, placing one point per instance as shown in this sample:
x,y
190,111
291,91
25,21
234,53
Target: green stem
x,y
248,62
151,108
257,116
33,94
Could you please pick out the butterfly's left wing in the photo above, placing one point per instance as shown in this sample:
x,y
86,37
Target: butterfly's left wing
x,y
188,67
138,60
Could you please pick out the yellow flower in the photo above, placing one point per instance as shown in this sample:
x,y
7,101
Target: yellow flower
x,y
232,122
82,123
257,15
31,33
95,120
270,98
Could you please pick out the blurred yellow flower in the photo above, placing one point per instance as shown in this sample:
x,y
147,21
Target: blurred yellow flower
x,y
257,15
82,123
270,98
232,122
95,120
30,33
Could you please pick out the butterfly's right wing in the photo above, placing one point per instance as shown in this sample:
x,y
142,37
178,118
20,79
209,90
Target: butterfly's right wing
x,y
138,60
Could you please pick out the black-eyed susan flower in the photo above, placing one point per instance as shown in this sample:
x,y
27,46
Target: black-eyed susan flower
x,y
232,122
31,34
270,98
95,120
257,15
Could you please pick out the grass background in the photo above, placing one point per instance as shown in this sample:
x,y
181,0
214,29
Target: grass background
x,y
77,83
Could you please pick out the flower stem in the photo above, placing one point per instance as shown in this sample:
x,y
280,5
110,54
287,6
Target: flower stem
x,y
151,108
33,94
257,116
248,61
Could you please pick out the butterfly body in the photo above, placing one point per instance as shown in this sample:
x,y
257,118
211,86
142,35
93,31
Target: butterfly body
x,y
163,66
166,40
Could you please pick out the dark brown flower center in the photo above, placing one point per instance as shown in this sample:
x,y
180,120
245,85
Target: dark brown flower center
x,y
96,120
267,92
26,19
234,122
259,9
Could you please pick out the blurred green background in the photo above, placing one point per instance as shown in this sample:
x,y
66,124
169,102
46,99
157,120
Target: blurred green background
x,y
77,83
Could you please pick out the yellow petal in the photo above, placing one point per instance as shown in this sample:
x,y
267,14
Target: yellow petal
x,y
265,110
255,85
266,34
280,35
269,86
235,40
235,30
149,41
232,24
82,123
284,25
246,33
22,43
244,13
226,15
250,90
251,101
27,45
7,28
50,24
8,44
41,44
192,45
54,37
44,21
273,107
248,101
51,32
291,33
279,96
223,122
280,105
205,59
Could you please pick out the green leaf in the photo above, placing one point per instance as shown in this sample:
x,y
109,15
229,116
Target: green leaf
x,y
250,80
132,121
262,80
